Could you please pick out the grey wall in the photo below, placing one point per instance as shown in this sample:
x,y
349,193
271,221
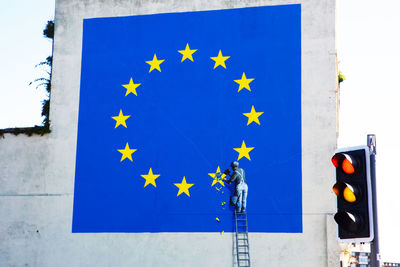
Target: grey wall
x,y
37,173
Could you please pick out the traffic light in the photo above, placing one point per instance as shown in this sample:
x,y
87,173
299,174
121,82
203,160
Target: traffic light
x,y
353,191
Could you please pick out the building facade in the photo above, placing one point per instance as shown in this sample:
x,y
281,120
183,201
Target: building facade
x,y
38,172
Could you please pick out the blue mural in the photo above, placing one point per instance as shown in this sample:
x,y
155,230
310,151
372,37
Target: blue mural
x,y
167,101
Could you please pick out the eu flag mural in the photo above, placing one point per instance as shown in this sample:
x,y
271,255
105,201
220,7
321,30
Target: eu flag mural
x,y
168,101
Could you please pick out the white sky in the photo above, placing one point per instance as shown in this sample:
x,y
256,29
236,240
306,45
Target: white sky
x,y
22,47
368,43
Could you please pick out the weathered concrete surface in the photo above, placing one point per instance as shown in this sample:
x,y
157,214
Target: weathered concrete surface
x,y
37,173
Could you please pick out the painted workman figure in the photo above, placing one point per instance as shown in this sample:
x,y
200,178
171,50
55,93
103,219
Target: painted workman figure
x,y
240,195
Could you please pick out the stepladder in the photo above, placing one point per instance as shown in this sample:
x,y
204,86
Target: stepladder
x,y
242,239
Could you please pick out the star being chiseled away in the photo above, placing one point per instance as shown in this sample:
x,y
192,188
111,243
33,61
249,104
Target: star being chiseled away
x,y
217,177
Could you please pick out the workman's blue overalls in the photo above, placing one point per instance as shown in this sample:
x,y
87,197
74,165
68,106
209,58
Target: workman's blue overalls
x,y
241,189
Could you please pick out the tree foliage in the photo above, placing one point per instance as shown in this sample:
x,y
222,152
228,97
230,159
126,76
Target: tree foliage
x,y
48,32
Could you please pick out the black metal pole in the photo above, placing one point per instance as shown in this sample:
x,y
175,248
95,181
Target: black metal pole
x,y
375,256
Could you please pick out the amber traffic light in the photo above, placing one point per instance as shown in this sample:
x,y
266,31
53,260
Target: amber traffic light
x,y
353,191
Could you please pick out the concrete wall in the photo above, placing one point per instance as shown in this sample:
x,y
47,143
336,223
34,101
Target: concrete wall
x,y
37,173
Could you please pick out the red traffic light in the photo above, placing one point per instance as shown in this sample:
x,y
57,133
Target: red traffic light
x,y
345,163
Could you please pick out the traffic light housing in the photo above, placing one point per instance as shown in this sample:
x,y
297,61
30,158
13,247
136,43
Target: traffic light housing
x,y
354,215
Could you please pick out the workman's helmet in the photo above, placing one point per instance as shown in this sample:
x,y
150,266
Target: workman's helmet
x,y
235,164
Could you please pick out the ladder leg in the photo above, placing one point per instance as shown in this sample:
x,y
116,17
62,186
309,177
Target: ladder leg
x,y
242,239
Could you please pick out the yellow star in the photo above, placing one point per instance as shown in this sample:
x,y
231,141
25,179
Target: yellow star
x,y
253,116
131,87
120,119
126,152
244,151
217,177
155,63
244,82
187,53
219,60
183,187
150,178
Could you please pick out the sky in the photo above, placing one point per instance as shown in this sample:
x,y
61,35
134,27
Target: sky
x,y
22,47
368,42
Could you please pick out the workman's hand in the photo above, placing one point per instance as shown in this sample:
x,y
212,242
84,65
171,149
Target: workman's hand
x,y
227,171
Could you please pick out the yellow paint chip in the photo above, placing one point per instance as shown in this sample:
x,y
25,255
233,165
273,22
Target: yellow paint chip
x,y
217,219
222,232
